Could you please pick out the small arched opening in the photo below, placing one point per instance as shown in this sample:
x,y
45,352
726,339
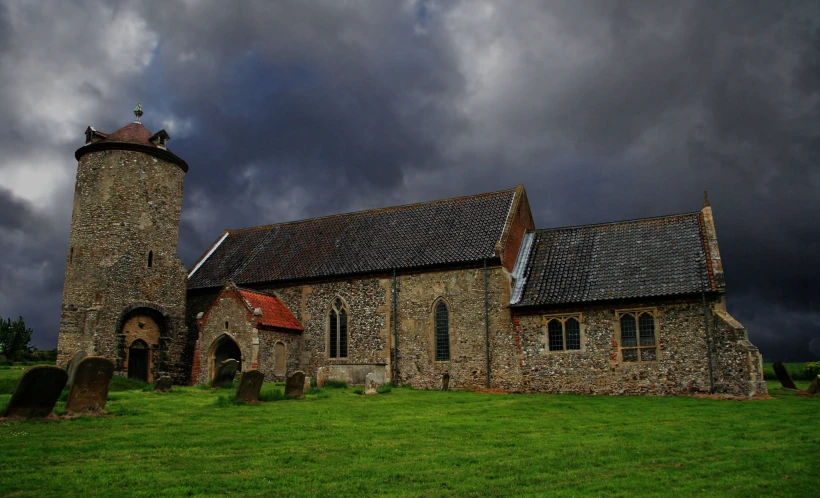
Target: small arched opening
x,y
223,348
139,360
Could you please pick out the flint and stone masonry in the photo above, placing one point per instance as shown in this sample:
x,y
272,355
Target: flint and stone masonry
x,y
124,291
470,275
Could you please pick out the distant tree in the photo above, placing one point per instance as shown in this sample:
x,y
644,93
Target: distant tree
x,y
14,338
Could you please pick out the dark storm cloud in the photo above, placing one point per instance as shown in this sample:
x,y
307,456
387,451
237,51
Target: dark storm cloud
x,y
604,110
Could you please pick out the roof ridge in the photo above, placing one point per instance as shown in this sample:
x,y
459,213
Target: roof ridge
x,y
363,211
617,222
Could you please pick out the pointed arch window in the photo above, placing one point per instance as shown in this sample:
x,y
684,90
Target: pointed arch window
x,y
337,328
442,325
150,259
638,342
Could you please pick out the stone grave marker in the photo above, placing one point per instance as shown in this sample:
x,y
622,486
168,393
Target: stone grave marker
x,y
37,392
250,384
91,382
163,384
321,377
445,382
295,385
71,367
307,384
225,373
814,388
371,382
783,376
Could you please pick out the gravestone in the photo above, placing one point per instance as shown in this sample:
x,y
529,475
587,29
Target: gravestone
x,y
814,388
295,385
225,373
250,384
371,382
71,367
37,392
163,384
445,382
91,382
307,384
783,376
321,377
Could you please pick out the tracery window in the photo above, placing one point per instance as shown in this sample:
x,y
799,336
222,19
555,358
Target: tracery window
x,y
442,329
564,333
337,330
638,342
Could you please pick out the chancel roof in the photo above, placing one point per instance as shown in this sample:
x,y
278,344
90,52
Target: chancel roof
x,y
449,231
622,260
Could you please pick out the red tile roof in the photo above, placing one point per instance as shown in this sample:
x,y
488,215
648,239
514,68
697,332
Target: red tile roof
x,y
133,133
274,313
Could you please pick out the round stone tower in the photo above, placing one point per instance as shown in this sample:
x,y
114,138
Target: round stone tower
x,y
124,291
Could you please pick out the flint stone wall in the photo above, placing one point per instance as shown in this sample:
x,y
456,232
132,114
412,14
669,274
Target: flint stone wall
x,y
598,367
126,204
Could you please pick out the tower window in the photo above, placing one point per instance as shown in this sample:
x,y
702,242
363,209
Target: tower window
x,y
226,325
70,254
150,259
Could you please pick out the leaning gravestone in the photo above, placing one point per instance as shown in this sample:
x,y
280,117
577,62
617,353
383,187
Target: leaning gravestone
x,y
37,392
71,367
225,373
250,384
91,382
783,376
295,385
163,384
371,382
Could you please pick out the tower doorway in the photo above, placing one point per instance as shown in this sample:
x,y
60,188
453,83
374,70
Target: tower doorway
x,y
224,348
139,360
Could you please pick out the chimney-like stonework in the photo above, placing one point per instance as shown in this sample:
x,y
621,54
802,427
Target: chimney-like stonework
x,y
712,244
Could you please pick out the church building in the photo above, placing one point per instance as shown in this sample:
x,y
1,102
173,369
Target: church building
x,y
460,293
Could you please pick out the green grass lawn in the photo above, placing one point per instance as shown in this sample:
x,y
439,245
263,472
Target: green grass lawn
x,y
190,442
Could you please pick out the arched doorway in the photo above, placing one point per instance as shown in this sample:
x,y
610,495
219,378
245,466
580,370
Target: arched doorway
x,y
223,348
148,323
139,360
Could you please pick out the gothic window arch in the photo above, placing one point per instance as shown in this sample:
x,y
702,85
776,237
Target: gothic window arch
x,y
638,330
441,324
563,333
337,329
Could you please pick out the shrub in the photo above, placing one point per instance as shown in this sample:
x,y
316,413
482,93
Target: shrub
x,y
358,390
335,384
812,370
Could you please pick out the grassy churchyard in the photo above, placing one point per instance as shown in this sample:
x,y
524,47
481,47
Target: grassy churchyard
x,y
194,442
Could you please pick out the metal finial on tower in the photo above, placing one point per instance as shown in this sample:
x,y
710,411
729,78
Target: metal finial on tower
x,y
138,113
705,199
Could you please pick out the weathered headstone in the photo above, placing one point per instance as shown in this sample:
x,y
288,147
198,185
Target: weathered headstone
x,y
321,377
371,383
163,384
783,376
814,388
250,384
37,392
307,384
445,382
91,382
71,366
225,373
295,385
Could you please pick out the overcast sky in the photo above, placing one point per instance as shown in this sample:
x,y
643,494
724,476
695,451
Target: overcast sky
x,y
287,110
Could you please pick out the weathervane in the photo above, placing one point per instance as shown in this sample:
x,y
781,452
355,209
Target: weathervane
x,y
138,113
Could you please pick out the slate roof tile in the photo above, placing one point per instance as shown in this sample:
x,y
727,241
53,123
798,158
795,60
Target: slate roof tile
x,y
620,260
449,231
